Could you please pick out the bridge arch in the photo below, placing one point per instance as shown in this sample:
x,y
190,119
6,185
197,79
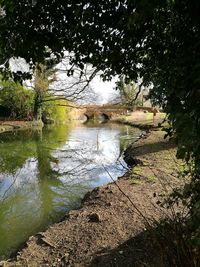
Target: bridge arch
x,y
84,117
103,113
103,117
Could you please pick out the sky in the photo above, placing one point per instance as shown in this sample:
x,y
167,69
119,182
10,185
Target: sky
x,y
104,91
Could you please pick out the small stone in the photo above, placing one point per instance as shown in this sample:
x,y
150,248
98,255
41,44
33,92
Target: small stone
x,y
94,217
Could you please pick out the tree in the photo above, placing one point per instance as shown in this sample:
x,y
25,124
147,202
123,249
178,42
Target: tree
x,y
41,85
50,90
128,93
72,83
54,89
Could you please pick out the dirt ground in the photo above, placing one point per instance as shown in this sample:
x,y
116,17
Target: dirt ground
x,y
111,228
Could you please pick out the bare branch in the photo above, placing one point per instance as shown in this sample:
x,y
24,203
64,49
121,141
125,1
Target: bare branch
x,y
139,91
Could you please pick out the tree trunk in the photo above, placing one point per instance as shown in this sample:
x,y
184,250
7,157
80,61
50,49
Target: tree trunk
x,y
39,88
37,113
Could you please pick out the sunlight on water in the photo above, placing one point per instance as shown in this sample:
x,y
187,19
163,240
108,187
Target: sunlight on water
x,y
44,174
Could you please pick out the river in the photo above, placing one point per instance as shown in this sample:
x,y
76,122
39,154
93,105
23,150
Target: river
x,y
45,173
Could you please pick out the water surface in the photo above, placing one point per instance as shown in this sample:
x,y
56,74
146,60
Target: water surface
x,y
44,174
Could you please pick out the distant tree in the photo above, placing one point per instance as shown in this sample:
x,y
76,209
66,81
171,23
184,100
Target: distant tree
x,y
17,99
129,93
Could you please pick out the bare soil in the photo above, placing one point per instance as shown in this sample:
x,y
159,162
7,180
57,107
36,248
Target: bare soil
x,y
112,226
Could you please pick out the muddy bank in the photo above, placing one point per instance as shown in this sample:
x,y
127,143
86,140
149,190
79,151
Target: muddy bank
x,y
9,126
111,227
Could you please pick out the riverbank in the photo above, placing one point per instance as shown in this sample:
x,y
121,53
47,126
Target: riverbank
x,y
137,118
9,126
141,119
111,227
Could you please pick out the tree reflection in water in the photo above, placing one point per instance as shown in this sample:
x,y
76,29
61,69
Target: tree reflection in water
x,y
45,173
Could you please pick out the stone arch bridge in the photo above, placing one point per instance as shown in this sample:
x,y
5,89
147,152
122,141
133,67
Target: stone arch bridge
x,y
104,112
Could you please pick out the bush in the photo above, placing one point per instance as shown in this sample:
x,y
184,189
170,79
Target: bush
x,y
17,99
55,111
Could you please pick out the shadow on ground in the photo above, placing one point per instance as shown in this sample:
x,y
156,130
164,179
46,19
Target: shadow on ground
x,y
162,246
136,252
153,148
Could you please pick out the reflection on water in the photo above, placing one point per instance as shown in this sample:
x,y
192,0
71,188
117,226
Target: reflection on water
x,y
46,173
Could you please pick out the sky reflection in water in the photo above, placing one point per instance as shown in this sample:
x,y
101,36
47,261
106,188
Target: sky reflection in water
x,y
44,174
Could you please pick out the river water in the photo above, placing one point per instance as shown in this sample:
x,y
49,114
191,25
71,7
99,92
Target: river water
x,y
45,173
